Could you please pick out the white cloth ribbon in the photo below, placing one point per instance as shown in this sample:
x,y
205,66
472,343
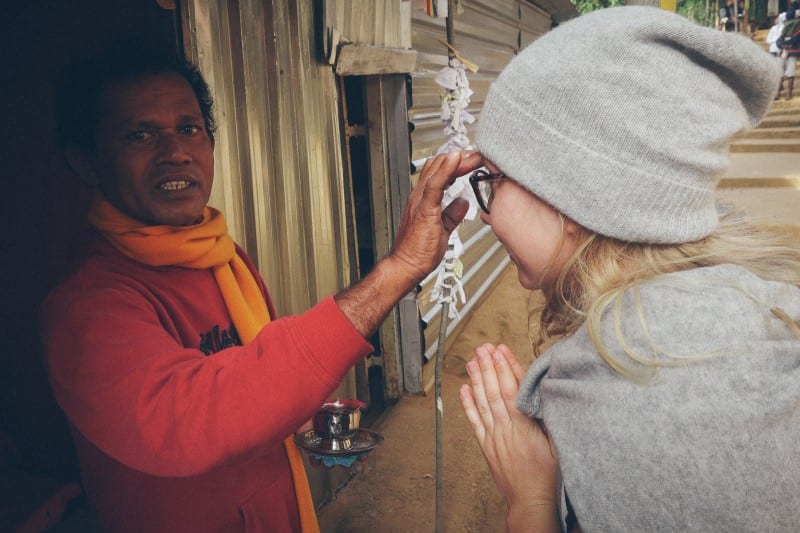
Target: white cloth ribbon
x,y
447,287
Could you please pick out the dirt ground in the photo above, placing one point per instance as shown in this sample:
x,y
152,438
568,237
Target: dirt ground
x,y
394,491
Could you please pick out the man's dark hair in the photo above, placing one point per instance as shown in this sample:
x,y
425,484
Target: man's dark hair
x,y
82,84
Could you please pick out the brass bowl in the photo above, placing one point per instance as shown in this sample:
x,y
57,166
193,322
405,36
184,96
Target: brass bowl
x,y
338,420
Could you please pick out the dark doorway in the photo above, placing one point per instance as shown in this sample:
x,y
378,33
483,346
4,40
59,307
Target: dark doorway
x,y
45,206
369,374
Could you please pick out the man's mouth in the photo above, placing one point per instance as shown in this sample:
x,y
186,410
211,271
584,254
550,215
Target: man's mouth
x,y
175,185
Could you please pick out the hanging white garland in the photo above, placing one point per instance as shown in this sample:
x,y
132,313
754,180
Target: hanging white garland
x,y
447,287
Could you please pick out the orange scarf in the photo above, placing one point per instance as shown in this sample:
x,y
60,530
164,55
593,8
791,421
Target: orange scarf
x,y
205,245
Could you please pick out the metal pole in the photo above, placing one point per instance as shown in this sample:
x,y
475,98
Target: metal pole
x,y
442,325
438,396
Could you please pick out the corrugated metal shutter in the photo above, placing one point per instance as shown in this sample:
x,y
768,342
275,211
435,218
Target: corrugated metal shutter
x,y
488,33
278,167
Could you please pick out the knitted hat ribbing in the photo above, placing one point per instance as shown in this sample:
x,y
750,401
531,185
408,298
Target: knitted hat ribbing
x,y
620,119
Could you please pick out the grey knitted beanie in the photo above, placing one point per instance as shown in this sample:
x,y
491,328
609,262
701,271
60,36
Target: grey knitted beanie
x,y
620,119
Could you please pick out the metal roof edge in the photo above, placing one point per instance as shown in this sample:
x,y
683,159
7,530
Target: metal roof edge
x,y
560,10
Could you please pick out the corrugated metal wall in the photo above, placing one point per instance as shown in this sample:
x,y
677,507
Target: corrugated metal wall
x,y
281,172
381,23
279,175
488,33
368,43
278,170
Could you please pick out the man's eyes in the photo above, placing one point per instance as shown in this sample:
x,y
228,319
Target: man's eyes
x,y
139,136
191,129
142,136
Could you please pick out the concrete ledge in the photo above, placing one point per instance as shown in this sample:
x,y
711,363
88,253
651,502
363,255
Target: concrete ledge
x,y
752,145
767,165
785,121
770,133
759,183
768,206
360,60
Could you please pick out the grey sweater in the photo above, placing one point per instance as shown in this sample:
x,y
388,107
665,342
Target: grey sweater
x,y
709,445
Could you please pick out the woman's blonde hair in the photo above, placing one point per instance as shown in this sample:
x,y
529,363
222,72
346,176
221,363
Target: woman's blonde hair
x,y
603,268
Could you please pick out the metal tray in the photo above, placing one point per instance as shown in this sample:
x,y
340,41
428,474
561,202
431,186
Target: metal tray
x,y
362,442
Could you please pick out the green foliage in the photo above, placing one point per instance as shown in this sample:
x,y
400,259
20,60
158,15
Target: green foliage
x,y
701,11
586,6
705,11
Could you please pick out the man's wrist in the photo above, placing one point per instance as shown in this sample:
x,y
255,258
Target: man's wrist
x,y
401,272
367,302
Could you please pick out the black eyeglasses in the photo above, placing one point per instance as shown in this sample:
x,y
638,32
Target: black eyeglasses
x,y
483,186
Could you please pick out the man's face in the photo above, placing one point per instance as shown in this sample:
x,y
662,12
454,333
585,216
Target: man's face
x,y
154,159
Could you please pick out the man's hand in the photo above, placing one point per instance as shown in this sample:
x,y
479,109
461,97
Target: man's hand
x,y
419,246
424,229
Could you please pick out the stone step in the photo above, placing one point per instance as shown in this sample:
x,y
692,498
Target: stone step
x,y
782,112
771,145
748,165
768,205
784,121
769,133
781,115
760,38
763,179
783,106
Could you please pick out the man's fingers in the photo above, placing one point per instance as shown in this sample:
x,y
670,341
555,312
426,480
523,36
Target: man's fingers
x,y
470,161
426,168
436,171
440,172
438,177
454,214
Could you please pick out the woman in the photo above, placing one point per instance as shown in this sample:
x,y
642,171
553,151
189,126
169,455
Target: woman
x,y
669,399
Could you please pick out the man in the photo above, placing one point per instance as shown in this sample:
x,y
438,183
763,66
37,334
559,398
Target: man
x,y
727,16
790,43
773,35
163,348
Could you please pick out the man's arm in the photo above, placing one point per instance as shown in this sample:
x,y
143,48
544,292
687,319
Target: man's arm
x,y
419,247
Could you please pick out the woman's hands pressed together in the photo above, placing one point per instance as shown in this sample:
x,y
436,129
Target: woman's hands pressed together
x,y
521,459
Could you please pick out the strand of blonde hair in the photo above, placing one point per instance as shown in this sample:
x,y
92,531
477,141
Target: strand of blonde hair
x,y
602,269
